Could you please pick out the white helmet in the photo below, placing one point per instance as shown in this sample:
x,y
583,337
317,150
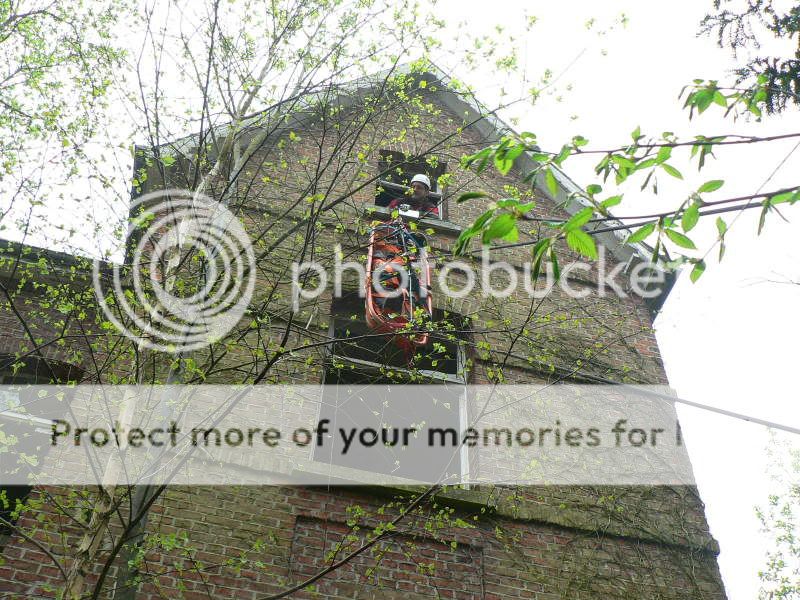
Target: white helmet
x,y
423,179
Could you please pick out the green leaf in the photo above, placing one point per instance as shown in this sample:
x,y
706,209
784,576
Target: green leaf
x,y
501,226
537,254
680,239
579,141
508,203
563,155
481,158
484,157
785,197
579,219
703,99
641,234
647,180
636,134
672,171
513,235
554,262
540,157
582,243
763,216
462,241
711,186
753,108
611,201
470,196
515,151
704,151
722,227
593,189
698,270
690,217
502,163
541,247
482,220
550,181
644,164
623,162
656,249
603,166
663,154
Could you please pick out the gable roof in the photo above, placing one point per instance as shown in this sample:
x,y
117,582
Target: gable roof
x,y
477,117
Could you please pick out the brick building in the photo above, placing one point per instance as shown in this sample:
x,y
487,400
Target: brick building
x,y
304,179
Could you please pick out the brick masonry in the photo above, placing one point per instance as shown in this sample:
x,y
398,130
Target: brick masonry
x,y
250,542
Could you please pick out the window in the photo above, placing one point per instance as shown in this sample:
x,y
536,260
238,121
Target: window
x,y
357,397
398,170
27,418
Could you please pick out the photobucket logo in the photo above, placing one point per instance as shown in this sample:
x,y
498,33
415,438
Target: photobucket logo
x,y
190,274
459,279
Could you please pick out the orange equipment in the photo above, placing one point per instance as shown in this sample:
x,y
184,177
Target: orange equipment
x,y
398,285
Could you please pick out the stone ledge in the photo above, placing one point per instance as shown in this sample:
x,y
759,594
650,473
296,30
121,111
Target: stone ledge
x,y
477,498
437,225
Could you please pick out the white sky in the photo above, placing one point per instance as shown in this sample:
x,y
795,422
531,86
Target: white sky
x,y
730,339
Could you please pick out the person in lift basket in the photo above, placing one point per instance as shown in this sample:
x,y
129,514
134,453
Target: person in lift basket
x,y
420,199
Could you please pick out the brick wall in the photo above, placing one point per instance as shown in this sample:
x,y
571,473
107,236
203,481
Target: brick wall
x,y
249,542
252,542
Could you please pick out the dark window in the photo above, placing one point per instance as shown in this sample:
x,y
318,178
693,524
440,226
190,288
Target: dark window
x,y
398,169
359,395
441,359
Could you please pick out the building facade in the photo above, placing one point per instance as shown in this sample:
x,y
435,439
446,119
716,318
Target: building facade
x,y
308,182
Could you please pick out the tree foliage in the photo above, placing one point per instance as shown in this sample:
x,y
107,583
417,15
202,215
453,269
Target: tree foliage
x,y
743,27
780,520
57,64
218,97
641,161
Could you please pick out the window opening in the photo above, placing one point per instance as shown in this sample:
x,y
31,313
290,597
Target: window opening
x,y
356,396
399,170
28,418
